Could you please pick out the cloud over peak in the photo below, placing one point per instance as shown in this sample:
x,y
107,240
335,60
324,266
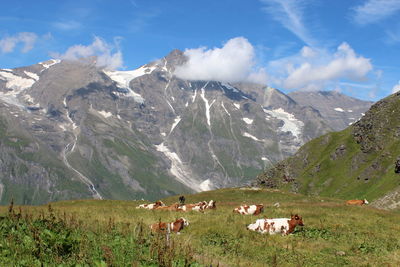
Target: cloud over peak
x,y
316,69
234,62
106,56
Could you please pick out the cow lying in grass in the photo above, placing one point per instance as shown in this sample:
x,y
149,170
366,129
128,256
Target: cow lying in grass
x,y
151,206
175,226
200,206
282,226
359,202
250,209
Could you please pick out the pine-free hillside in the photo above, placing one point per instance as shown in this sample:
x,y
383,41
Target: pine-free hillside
x,y
116,233
358,162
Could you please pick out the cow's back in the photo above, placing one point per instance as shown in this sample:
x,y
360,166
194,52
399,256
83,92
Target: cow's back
x,y
355,202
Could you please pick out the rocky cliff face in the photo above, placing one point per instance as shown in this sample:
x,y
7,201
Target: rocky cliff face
x,y
358,162
72,130
338,110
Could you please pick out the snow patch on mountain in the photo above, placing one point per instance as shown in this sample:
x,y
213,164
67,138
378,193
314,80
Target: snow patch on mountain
x,y
49,63
16,83
208,105
252,137
176,121
247,120
32,75
236,105
194,95
123,78
178,169
104,113
223,106
290,123
206,185
339,109
229,87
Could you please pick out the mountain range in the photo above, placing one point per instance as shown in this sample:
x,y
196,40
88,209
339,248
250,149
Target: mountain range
x,y
71,129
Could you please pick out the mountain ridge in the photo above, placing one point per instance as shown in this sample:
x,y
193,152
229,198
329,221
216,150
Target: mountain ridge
x,y
138,134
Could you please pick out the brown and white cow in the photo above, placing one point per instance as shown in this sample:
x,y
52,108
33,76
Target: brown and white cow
x,y
282,226
250,209
176,226
212,204
151,206
200,206
359,202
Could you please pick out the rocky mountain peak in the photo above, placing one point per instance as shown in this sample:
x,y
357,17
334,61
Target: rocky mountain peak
x,y
141,133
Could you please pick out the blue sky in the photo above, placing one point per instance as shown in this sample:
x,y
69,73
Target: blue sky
x,y
350,46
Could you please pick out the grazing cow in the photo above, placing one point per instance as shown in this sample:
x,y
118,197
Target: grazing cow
x,y
249,209
175,226
358,202
151,206
283,226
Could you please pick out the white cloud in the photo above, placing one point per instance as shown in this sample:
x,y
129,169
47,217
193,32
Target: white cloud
x,y
396,88
375,10
8,44
290,14
234,62
67,25
106,57
313,69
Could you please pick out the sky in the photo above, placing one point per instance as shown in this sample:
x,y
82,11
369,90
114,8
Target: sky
x,y
349,46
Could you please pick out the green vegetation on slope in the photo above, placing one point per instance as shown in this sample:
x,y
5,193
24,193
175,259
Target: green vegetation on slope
x,y
55,239
355,163
334,234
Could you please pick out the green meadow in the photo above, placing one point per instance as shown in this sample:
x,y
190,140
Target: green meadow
x,y
115,233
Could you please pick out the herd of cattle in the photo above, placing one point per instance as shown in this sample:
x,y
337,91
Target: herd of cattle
x,y
282,226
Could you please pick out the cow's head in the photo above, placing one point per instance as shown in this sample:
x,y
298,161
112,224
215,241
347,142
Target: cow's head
x,y
296,220
365,201
211,204
184,221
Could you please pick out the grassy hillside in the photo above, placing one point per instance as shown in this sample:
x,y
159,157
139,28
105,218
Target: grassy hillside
x,y
116,233
358,162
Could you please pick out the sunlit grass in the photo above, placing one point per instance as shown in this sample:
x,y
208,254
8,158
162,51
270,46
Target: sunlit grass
x,y
334,234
